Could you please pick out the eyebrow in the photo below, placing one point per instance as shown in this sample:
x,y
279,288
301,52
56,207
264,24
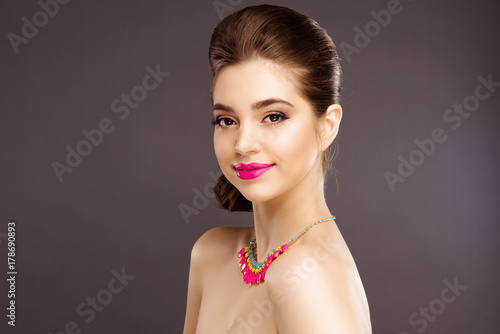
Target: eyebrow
x,y
254,106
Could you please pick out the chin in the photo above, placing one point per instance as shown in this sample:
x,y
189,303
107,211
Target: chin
x,y
258,193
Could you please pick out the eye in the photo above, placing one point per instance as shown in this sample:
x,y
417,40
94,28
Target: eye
x,y
222,121
276,117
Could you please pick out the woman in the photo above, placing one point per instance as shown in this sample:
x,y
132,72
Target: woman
x,y
275,99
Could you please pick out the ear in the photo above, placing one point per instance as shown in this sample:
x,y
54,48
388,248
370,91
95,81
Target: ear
x,y
329,125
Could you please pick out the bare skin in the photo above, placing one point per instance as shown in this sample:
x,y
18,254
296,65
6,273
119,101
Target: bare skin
x,y
314,287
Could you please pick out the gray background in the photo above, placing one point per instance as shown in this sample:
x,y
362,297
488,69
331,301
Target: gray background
x,y
120,208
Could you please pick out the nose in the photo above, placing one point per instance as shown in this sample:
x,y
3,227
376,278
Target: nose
x,y
247,140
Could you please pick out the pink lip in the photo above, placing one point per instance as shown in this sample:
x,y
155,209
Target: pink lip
x,y
251,171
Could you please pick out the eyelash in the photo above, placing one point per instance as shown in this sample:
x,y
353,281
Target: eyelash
x,y
281,116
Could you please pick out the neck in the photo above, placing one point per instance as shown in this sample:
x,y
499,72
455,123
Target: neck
x,y
283,217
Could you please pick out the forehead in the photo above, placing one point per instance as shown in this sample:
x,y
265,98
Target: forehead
x,y
244,83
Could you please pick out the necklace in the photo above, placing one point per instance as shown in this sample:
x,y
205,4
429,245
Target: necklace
x,y
253,272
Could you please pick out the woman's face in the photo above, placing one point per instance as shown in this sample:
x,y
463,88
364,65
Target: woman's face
x,y
261,118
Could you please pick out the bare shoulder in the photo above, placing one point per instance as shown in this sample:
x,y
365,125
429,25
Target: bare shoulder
x,y
217,242
316,288
211,249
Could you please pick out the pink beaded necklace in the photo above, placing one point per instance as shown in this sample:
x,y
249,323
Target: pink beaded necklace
x,y
253,272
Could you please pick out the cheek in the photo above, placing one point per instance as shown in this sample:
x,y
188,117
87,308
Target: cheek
x,y
222,147
298,142
218,147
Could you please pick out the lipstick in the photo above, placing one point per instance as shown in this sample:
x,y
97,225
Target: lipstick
x,y
252,170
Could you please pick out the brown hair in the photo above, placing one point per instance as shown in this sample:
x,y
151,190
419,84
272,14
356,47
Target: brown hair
x,y
291,40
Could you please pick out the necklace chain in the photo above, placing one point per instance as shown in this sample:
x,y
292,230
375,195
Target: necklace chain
x,y
253,272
